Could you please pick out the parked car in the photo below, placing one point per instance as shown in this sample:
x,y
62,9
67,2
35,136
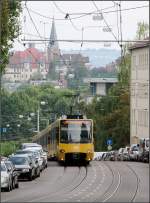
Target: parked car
x,y
125,154
113,155
24,166
134,152
44,156
144,150
6,178
38,153
14,174
33,159
120,154
27,145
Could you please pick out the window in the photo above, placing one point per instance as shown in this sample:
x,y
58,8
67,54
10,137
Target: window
x,y
93,88
143,90
73,131
143,118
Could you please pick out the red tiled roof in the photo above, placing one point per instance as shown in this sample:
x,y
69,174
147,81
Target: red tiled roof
x,y
32,55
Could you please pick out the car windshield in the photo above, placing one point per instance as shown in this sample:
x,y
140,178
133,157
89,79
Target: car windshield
x,y
3,167
73,131
35,153
22,152
19,160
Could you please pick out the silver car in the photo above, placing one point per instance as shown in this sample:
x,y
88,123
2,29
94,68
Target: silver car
x,y
6,178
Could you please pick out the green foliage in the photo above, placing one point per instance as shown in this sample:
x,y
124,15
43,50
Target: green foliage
x,y
8,148
142,30
27,100
9,13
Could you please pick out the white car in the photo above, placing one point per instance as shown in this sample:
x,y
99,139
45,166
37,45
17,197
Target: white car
x,y
6,178
27,145
134,152
38,153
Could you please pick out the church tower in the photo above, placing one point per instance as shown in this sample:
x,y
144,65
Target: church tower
x,y
53,52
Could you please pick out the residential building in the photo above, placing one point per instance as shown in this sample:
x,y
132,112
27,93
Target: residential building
x,y
139,92
24,64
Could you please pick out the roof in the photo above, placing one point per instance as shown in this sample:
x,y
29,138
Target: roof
x,y
101,80
31,55
141,44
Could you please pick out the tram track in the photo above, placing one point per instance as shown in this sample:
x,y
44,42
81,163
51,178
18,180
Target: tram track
x,y
61,191
137,185
98,182
106,195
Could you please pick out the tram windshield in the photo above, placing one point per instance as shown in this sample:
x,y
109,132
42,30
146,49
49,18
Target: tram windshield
x,y
72,131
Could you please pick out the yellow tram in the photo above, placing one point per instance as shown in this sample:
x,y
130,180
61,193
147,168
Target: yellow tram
x,y
68,139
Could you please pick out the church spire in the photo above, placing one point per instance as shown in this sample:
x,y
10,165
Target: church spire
x,y
53,37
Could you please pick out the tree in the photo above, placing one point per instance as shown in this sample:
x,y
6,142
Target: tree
x,y
9,24
142,30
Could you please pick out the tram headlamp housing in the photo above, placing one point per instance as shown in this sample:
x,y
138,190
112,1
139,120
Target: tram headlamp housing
x,y
62,150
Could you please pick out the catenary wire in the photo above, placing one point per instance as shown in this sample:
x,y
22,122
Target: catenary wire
x,y
90,13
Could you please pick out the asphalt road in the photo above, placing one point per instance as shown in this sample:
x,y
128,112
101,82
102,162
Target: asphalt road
x,y
101,181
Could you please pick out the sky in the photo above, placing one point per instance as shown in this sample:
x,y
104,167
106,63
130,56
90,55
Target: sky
x,y
80,28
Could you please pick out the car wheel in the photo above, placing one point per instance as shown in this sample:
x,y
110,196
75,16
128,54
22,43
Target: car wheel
x,y
8,189
17,185
13,184
30,177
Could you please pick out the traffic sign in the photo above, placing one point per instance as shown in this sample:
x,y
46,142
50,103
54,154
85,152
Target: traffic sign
x,y
109,142
109,147
4,130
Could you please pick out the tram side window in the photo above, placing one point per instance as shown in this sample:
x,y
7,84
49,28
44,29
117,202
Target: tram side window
x,y
57,135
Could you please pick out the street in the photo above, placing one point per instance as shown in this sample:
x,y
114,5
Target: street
x,y
101,181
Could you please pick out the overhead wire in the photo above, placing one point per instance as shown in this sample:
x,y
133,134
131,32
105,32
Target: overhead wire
x,y
106,22
61,11
33,21
90,13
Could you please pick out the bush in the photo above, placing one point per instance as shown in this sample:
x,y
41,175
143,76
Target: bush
x,y
8,148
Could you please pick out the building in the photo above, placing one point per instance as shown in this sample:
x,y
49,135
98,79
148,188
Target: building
x,y
23,65
53,51
139,92
99,86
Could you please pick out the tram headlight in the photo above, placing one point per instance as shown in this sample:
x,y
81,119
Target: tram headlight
x,y
88,151
62,151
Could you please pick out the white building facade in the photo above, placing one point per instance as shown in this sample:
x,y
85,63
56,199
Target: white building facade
x,y
139,92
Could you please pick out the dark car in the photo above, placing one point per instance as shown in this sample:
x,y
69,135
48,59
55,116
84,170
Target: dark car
x,y
33,160
14,174
24,166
